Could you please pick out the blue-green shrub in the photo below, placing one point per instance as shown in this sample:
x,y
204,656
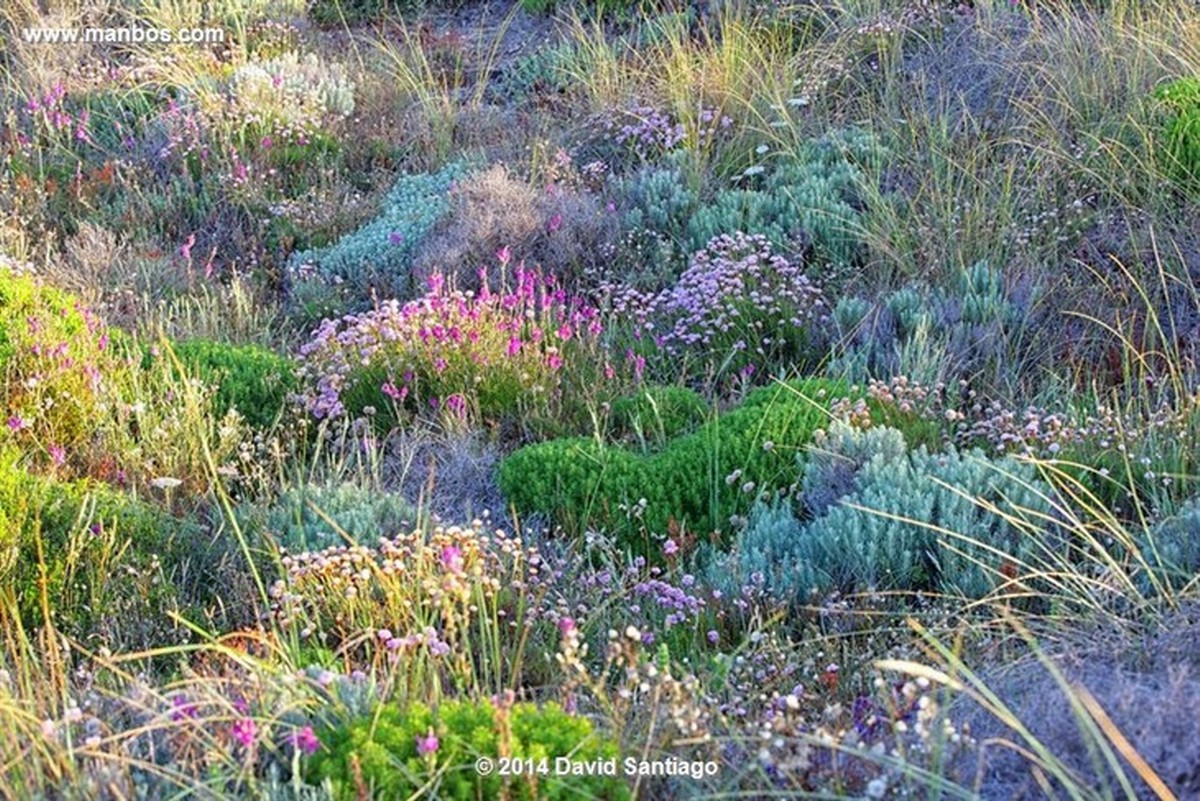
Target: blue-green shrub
x,y
917,521
375,259
363,515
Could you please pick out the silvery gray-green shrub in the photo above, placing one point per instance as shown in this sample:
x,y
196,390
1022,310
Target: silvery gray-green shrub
x,y
912,521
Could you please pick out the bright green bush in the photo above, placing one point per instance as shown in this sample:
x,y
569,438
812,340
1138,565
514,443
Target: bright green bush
x,y
696,481
55,363
97,558
658,414
384,746
882,535
1181,149
253,380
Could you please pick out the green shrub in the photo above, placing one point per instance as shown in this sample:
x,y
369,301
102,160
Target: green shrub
x,y
253,380
1181,149
383,749
658,414
882,535
96,557
697,481
55,364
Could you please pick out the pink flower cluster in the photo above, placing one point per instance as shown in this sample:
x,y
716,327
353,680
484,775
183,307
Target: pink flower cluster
x,y
737,303
459,352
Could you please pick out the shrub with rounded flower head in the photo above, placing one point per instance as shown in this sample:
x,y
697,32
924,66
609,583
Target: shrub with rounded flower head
x,y
468,355
738,306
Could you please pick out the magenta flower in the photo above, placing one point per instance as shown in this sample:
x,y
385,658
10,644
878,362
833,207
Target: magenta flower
x,y
245,731
504,255
427,745
185,250
306,741
17,422
554,223
58,454
566,625
514,346
452,559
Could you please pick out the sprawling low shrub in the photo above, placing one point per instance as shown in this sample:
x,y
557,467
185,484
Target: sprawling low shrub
x,y
911,521
374,261
470,356
299,519
809,200
100,563
253,380
55,362
397,753
1181,148
696,482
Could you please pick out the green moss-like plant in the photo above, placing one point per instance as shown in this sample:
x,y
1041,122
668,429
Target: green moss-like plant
x,y
1181,148
382,748
658,414
96,560
696,481
253,380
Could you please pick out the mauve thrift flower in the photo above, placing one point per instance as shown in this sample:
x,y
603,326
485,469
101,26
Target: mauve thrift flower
x,y
713,636
58,454
452,559
395,238
306,741
670,548
245,731
427,745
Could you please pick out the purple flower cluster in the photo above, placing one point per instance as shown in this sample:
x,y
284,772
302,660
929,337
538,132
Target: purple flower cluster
x,y
736,299
650,132
680,601
456,351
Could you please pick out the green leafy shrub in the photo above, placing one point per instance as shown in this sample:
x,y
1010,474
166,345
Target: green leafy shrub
x,y
913,521
363,515
697,481
1181,149
96,557
658,414
433,753
253,380
374,260
55,364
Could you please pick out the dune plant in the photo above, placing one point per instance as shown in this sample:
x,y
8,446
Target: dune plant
x,y
472,356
